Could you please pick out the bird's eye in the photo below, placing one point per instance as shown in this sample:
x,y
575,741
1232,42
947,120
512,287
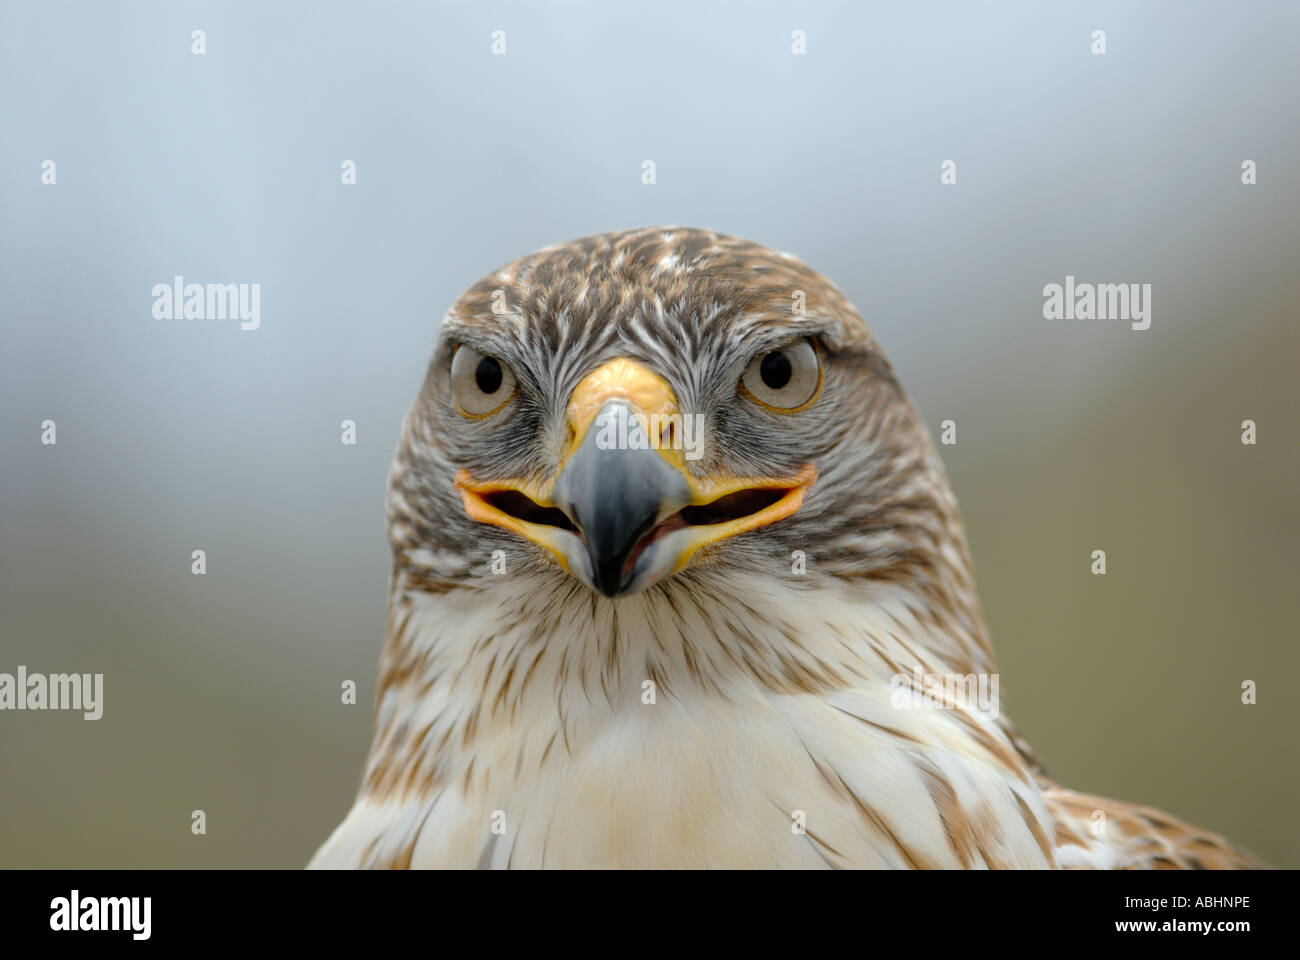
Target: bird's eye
x,y
480,385
786,379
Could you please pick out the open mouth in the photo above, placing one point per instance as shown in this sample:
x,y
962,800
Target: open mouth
x,y
525,508
615,533
733,506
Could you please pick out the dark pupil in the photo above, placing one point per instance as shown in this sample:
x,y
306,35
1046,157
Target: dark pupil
x,y
488,375
775,370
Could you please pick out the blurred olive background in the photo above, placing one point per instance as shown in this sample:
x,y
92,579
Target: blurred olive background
x,y
222,692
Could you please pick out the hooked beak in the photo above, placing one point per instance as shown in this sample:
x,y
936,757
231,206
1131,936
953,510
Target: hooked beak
x,y
623,511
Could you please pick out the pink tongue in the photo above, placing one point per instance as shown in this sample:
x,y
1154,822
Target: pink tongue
x,y
667,526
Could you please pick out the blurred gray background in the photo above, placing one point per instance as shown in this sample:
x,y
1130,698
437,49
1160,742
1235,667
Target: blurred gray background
x,y
222,691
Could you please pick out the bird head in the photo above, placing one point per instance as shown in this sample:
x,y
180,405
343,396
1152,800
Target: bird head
x,y
646,407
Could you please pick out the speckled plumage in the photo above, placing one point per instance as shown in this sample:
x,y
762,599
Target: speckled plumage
x,y
510,724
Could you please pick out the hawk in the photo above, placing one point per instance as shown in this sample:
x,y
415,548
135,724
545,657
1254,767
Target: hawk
x,y
669,540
